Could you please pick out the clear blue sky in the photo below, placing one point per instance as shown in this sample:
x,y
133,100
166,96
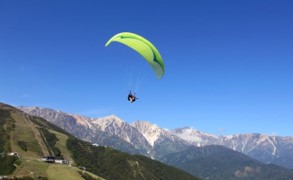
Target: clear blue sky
x,y
228,63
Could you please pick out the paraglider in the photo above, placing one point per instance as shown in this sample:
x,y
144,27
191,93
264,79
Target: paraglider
x,y
131,97
145,48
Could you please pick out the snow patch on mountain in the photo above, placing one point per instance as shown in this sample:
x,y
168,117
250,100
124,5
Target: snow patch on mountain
x,y
194,136
150,131
268,140
189,135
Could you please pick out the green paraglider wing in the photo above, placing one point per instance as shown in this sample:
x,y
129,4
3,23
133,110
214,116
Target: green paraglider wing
x,y
144,48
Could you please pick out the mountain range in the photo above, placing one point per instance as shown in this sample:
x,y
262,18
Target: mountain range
x,y
268,149
246,156
148,139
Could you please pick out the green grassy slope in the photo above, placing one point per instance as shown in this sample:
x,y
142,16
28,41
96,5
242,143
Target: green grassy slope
x,y
113,164
19,133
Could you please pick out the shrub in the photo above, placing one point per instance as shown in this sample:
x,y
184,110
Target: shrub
x,y
22,145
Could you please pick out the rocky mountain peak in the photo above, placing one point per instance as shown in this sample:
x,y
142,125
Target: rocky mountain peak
x,y
107,121
144,126
82,120
150,131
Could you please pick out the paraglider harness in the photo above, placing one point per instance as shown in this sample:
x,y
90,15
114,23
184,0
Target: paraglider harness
x,y
131,97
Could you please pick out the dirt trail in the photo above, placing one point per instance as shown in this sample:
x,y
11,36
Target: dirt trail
x,y
11,142
38,136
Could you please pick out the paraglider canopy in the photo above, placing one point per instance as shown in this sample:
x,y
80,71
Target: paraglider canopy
x,y
144,47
